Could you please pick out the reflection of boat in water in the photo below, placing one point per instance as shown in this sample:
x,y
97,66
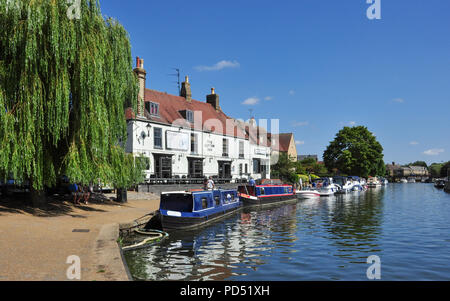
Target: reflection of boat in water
x,y
268,193
182,210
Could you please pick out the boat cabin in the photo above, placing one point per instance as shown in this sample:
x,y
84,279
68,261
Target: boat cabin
x,y
197,201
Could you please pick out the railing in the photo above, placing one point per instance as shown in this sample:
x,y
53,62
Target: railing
x,y
185,180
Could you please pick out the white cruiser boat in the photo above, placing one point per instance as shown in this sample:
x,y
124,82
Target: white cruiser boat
x,y
326,187
403,180
411,180
307,194
373,182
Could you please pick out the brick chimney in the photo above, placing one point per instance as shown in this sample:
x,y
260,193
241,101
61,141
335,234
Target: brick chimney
x,y
213,99
142,76
186,90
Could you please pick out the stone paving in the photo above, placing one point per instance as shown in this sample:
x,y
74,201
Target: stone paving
x,y
35,243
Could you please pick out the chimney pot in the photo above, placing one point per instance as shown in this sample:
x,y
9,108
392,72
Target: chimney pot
x,y
213,99
186,90
142,75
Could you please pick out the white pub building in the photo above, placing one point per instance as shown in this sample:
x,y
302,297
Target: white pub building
x,y
182,138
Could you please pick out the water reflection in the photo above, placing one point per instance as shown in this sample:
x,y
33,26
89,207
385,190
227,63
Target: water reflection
x,y
354,224
219,251
323,239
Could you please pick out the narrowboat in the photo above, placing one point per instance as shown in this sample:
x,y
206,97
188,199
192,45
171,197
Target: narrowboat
x,y
185,210
269,192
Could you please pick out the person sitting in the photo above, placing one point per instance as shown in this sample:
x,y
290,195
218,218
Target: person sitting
x,y
252,182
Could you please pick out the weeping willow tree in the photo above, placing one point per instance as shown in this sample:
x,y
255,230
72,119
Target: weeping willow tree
x,y
64,86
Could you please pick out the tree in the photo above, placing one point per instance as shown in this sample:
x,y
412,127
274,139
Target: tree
x,y
285,169
355,151
445,169
435,170
419,163
64,85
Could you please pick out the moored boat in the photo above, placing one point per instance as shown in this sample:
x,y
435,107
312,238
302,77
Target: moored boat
x,y
267,193
440,184
307,194
411,180
326,187
373,182
184,210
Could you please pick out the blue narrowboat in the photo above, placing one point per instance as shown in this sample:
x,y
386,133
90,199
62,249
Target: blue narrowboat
x,y
268,193
183,210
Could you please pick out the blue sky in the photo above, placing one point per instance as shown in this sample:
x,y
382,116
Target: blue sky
x,y
317,65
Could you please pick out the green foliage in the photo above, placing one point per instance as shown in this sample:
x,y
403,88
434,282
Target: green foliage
x,y
304,178
355,151
445,169
310,165
419,163
64,85
285,169
435,169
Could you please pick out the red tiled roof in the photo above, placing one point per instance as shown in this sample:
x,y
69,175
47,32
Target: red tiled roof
x,y
284,141
171,105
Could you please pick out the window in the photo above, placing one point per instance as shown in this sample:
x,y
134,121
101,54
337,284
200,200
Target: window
x,y
241,149
194,143
157,137
204,203
217,199
225,147
256,166
189,116
246,168
261,190
152,108
240,169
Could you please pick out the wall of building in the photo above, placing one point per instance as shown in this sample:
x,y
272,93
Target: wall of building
x,y
210,148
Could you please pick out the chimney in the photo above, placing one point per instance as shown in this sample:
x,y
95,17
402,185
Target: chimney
x,y
142,75
186,90
213,99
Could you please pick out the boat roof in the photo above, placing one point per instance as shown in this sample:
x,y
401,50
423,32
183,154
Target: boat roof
x,y
195,191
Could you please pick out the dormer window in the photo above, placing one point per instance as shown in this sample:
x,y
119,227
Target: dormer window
x,y
189,116
152,108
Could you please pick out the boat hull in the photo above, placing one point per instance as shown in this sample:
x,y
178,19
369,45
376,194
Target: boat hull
x,y
307,195
172,223
249,201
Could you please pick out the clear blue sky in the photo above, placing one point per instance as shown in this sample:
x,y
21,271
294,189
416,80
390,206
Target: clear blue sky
x,y
317,65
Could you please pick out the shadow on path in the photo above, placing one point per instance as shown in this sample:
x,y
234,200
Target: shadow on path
x,y
56,205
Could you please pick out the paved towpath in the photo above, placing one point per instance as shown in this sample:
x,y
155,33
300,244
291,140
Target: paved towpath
x,y
35,244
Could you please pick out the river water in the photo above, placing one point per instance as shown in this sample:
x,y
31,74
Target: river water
x,y
406,225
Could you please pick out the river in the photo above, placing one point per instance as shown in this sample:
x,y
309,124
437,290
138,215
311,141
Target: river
x,y
406,225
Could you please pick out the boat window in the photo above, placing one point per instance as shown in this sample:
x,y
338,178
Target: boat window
x,y
176,202
217,199
232,196
204,203
261,191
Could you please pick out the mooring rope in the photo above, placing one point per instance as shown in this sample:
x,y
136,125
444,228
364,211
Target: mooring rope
x,y
156,235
